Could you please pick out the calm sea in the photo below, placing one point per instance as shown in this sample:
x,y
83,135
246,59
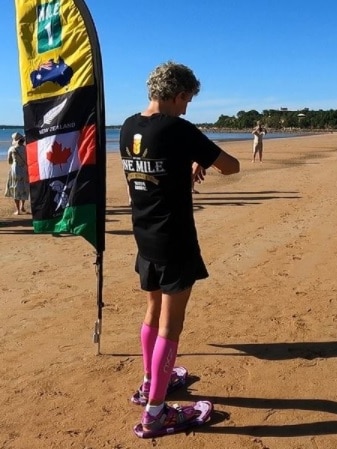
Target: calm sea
x,y
112,138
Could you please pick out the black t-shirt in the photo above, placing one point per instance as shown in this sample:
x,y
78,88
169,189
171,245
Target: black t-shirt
x,y
157,154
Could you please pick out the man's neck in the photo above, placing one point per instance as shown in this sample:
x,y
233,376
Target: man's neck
x,y
159,107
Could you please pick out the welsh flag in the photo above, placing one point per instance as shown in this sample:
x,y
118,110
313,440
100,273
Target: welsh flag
x,y
64,117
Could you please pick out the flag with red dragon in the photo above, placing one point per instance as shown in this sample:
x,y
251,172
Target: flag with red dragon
x,y
64,118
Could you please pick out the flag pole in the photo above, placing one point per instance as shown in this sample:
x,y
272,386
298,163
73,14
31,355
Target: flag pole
x,y
100,303
54,122
100,165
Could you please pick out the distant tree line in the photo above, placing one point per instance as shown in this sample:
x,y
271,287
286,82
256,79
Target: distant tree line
x,y
279,119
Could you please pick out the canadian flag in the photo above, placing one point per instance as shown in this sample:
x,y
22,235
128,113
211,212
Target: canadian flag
x,y
57,155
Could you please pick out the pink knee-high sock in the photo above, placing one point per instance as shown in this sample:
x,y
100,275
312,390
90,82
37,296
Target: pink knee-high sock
x,y
163,359
148,336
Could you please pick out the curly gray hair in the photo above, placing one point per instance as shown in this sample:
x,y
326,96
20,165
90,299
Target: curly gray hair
x,y
169,79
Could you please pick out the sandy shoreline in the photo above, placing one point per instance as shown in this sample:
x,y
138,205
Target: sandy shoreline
x,y
260,335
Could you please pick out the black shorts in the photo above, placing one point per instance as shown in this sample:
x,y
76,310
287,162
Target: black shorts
x,y
173,277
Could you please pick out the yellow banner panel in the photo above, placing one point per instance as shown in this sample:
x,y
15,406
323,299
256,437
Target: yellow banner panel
x,y
54,49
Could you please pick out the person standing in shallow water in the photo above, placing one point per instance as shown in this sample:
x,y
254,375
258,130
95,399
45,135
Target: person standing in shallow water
x,y
258,132
17,186
159,151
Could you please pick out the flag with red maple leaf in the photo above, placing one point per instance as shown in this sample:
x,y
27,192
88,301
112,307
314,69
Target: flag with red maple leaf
x,y
64,118
58,155
64,121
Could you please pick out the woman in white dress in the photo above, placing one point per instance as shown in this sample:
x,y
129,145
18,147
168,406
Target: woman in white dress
x,y
17,184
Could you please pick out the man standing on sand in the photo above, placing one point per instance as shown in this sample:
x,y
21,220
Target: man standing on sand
x,y
259,131
160,152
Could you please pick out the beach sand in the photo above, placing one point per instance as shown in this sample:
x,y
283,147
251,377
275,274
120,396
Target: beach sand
x,y
260,338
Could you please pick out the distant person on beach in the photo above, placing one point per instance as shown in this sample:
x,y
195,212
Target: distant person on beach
x,y
17,186
158,149
259,132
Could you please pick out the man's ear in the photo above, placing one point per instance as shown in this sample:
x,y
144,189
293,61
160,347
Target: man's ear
x,y
178,97
185,96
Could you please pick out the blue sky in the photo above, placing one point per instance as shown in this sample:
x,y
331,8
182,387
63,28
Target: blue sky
x,y
261,54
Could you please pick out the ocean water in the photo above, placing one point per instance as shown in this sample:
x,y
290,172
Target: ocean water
x,y
112,138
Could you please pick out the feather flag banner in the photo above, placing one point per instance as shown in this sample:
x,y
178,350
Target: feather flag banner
x,y
64,117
